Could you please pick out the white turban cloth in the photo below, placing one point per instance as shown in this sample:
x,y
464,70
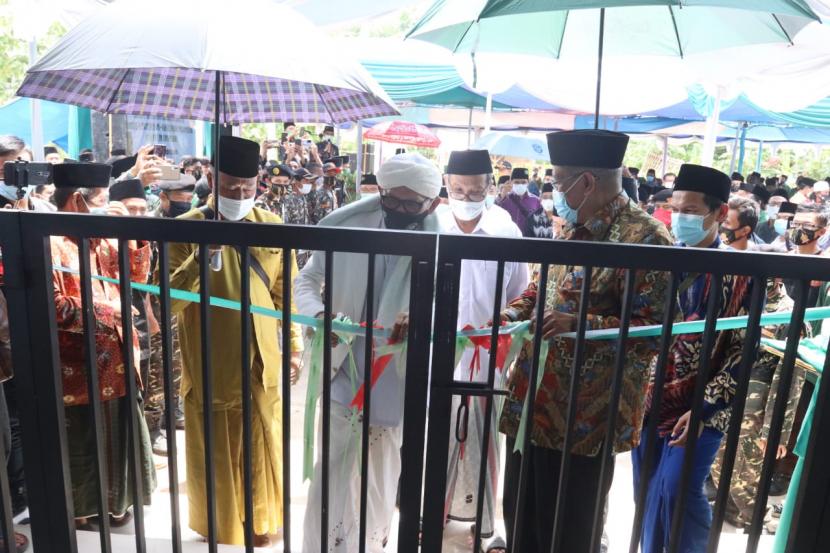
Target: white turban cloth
x,y
413,171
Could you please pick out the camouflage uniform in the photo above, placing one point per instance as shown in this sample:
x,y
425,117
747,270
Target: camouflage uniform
x,y
271,201
761,397
295,211
320,204
154,399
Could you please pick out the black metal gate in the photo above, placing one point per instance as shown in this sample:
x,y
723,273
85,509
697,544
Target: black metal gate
x,y
25,242
28,286
812,505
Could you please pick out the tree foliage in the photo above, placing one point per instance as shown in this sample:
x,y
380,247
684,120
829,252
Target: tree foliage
x,y
14,53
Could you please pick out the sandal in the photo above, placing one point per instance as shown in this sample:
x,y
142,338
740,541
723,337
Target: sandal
x,y
21,543
496,544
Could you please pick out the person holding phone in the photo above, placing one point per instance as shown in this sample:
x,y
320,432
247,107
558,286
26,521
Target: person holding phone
x,y
326,146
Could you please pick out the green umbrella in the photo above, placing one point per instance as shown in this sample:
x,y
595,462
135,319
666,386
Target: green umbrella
x,y
563,28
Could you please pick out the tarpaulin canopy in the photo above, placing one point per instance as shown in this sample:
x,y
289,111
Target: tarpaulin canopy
x,y
16,118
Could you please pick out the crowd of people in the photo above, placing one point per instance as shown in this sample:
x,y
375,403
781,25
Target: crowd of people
x,y
587,195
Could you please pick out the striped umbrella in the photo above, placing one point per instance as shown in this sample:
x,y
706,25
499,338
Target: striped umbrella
x,y
172,59
206,60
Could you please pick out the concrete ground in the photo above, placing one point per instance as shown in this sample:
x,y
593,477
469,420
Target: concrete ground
x,y
457,535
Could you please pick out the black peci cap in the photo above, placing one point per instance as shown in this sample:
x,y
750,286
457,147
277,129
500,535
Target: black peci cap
x,y
125,189
697,178
519,173
587,148
238,157
469,162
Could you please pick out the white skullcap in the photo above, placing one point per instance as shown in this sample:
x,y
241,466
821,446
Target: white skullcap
x,y
413,171
821,186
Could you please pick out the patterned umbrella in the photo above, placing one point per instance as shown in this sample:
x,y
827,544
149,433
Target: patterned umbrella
x,y
126,58
403,132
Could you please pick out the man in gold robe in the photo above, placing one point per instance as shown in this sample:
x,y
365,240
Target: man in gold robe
x,y
239,160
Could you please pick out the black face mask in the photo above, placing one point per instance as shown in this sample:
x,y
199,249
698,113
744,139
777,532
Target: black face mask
x,y
197,174
395,220
177,208
728,234
802,236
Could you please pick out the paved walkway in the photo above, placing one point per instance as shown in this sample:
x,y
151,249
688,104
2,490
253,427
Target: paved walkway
x,y
457,535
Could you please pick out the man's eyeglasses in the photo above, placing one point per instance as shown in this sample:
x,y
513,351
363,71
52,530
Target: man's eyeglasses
x,y
471,197
560,184
408,206
803,226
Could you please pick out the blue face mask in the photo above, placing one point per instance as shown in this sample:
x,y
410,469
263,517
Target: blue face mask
x,y
8,192
650,178
688,228
780,226
563,210
489,201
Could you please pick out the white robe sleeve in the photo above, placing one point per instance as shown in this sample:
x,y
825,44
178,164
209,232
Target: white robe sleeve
x,y
308,286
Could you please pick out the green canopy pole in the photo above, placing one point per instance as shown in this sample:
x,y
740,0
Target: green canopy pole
x,y
742,154
599,64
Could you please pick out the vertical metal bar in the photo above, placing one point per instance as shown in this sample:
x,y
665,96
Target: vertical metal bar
x,y
599,65
217,135
488,404
530,400
415,402
169,394
29,290
748,357
207,392
616,388
440,405
133,426
778,413
287,267
669,310
326,410
96,419
573,395
247,436
367,399
712,309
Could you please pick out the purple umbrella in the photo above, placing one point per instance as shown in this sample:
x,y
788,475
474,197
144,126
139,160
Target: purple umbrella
x,y
206,60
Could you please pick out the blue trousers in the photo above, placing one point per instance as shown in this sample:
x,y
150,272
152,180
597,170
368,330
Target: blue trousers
x,y
663,488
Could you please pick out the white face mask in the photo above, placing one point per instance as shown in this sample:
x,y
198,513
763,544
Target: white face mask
x,y
235,210
466,211
306,188
519,189
547,205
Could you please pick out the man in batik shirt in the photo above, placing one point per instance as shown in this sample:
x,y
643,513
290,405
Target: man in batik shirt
x,y
699,207
82,188
588,195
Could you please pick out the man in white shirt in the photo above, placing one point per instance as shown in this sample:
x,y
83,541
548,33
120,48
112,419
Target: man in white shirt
x,y
469,176
409,186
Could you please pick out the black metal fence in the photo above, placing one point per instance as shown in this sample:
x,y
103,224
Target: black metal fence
x,y
24,238
452,250
25,242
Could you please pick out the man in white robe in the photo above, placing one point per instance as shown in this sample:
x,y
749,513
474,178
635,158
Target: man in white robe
x,y
469,175
409,186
